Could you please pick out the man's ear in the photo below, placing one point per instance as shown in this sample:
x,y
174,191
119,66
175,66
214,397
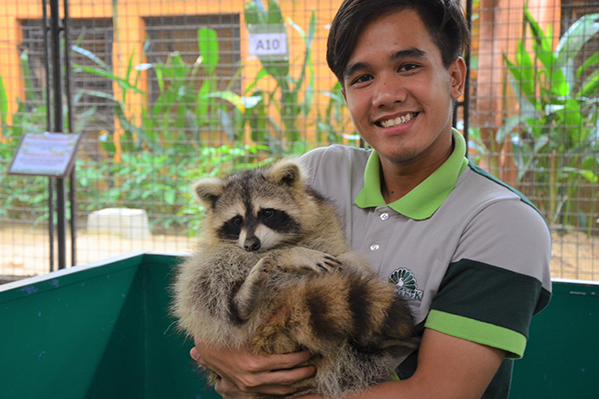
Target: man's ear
x,y
457,74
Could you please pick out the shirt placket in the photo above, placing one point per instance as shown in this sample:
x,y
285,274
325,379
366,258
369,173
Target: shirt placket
x,y
376,239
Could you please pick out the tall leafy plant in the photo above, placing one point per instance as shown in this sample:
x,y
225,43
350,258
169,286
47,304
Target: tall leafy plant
x,y
288,87
159,182
26,196
133,136
555,136
332,124
176,117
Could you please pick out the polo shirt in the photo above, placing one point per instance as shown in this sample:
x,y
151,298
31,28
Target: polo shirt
x,y
469,253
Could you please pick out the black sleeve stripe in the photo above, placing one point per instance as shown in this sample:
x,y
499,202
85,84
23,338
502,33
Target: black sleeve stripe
x,y
490,294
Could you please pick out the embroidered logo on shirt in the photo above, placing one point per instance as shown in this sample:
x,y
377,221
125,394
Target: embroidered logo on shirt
x,y
405,284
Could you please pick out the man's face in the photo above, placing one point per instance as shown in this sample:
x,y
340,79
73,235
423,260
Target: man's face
x,y
399,93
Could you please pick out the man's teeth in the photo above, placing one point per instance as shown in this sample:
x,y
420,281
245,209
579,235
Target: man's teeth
x,y
398,121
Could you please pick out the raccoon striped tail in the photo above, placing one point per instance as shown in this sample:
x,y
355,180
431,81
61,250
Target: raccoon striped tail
x,y
354,323
370,312
331,309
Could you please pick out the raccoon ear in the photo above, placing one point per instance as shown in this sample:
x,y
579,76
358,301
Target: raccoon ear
x,y
208,190
287,172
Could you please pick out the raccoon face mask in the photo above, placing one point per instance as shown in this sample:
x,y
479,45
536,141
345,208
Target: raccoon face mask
x,y
258,210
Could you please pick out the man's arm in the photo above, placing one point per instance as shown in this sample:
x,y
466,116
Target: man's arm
x,y
448,368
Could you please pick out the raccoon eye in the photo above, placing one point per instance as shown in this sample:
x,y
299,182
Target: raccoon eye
x,y
237,220
268,213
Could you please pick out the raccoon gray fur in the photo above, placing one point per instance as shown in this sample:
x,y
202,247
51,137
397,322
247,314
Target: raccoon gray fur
x,y
272,269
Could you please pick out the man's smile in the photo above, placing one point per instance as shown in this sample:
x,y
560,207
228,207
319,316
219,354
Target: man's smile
x,y
400,120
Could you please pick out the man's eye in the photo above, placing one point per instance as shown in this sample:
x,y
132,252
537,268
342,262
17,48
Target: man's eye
x,y
362,79
408,67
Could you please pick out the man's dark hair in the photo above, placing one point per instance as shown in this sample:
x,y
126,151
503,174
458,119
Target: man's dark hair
x,y
444,20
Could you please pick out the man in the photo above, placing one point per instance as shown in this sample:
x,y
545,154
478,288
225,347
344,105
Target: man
x,y
470,254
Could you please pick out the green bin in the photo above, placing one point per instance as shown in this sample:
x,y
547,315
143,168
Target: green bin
x,y
561,360
103,330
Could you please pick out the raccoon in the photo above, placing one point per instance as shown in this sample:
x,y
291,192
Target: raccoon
x,y
272,269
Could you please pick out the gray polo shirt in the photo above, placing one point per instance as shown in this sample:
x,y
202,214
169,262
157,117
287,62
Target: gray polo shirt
x,y
471,254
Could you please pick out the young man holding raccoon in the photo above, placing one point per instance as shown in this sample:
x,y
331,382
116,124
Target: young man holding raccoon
x,y
472,255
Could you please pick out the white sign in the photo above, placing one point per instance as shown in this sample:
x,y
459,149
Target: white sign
x,y
268,44
45,154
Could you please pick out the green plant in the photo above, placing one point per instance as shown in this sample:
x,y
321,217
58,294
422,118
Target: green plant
x,y
26,197
335,120
285,129
159,151
31,112
477,150
180,111
159,182
22,197
556,134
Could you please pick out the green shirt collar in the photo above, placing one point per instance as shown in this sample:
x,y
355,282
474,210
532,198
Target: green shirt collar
x,y
424,199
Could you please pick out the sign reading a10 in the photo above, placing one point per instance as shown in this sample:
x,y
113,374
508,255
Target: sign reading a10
x,y
268,44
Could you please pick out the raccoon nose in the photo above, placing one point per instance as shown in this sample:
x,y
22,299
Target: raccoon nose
x,y
252,244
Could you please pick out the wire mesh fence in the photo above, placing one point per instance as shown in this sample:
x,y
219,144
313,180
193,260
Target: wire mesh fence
x,y
167,91
534,117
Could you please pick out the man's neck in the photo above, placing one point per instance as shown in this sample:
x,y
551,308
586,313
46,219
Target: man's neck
x,y
398,179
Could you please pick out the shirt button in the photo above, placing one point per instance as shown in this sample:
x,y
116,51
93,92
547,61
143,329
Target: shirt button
x,y
374,247
384,216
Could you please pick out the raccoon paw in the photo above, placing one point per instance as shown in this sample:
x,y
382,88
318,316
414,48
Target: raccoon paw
x,y
330,262
260,272
247,297
308,259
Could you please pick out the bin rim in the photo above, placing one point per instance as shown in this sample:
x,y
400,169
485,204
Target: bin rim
x,y
575,281
86,266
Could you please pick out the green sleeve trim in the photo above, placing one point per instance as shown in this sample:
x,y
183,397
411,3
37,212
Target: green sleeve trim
x,y
480,332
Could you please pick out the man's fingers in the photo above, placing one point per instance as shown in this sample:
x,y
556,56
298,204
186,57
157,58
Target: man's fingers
x,y
278,378
288,360
228,390
195,355
280,381
278,369
288,377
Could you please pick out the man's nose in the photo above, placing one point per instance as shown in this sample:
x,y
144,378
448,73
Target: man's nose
x,y
388,90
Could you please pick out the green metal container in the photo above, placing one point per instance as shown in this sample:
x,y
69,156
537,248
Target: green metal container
x,y
96,331
104,331
561,360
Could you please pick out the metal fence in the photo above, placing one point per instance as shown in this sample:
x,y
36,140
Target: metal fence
x,y
166,91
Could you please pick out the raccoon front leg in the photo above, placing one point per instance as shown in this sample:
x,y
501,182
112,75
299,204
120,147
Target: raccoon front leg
x,y
291,259
303,259
246,298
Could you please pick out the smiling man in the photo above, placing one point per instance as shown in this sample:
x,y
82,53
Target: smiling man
x,y
400,97
471,254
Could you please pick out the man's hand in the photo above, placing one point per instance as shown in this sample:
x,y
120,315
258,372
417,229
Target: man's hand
x,y
242,371
448,368
228,390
